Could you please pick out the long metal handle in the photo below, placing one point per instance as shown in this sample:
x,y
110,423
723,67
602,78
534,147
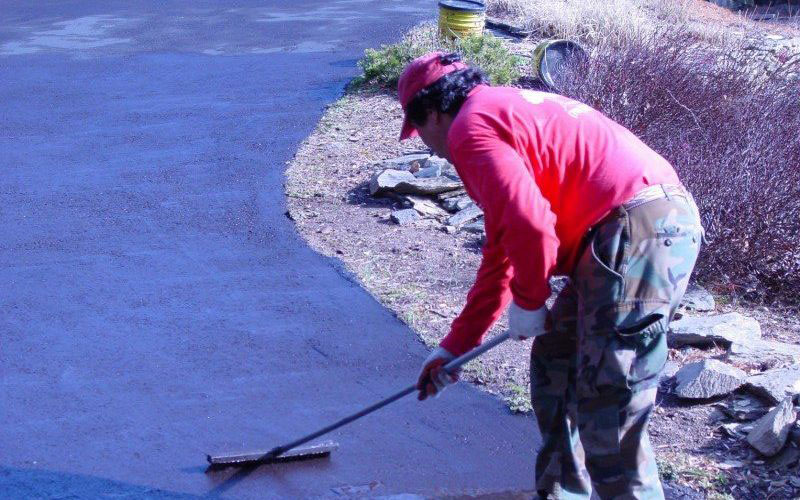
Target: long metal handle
x,y
469,356
449,367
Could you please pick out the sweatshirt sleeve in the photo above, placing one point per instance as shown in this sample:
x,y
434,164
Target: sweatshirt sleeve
x,y
486,301
522,245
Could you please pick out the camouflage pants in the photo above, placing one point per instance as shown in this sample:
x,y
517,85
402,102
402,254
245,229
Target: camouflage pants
x,y
594,376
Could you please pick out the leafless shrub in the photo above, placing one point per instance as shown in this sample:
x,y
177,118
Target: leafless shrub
x,y
733,133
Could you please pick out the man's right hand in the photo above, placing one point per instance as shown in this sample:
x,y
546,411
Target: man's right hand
x,y
432,379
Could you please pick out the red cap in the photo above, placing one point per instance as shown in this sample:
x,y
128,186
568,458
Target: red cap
x,y
420,73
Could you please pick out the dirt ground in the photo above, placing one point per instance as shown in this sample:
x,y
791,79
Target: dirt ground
x,y
423,274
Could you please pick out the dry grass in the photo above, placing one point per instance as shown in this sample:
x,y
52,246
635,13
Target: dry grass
x,y
592,21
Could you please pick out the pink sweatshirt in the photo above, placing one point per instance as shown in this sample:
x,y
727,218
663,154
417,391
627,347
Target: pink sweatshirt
x,y
543,168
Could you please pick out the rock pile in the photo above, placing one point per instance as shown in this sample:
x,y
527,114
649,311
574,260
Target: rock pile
x,y
740,335
760,406
430,187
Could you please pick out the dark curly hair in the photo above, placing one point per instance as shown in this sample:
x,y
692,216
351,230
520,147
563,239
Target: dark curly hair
x,y
447,94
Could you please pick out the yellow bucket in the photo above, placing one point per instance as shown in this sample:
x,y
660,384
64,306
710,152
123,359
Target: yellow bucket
x,y
460,18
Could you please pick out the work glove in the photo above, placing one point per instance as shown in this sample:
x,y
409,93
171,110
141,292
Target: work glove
x,y
524,324
432,379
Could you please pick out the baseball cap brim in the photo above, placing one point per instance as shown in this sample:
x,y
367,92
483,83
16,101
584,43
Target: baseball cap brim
x,y
409,130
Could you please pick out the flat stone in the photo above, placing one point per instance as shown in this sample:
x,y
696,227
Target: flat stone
x,y
437,161
452,175
463,204
722,329
449,204
784,459
698,299
775,385
476,227
431,186
448,170
387,180
425,206
794,434
737,430
405,216
707,379
428,172
671,368
743,408
763,351
434,167
405,162
457,204
445,167
770,431
450,194
465,216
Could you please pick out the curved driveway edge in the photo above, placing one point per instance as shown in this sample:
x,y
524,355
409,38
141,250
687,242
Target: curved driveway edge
x,y
157,305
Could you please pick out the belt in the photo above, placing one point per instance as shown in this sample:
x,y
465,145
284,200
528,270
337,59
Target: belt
x,y
656,192
659,191
646,195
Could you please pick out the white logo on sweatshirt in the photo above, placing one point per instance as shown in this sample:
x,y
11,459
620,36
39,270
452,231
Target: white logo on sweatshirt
x,y
573,108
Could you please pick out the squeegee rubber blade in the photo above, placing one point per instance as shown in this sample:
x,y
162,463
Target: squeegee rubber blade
x,y
257,458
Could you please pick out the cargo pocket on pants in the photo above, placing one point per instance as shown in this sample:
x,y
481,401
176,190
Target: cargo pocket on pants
x,y
645,346
626,360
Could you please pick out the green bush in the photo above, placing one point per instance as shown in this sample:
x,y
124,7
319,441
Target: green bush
x,y
384,66
491,55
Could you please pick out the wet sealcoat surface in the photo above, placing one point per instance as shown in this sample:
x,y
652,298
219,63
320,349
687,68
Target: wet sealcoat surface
x,y
157,305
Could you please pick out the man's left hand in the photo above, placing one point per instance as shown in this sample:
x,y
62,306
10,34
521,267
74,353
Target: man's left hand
x,y
524,324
